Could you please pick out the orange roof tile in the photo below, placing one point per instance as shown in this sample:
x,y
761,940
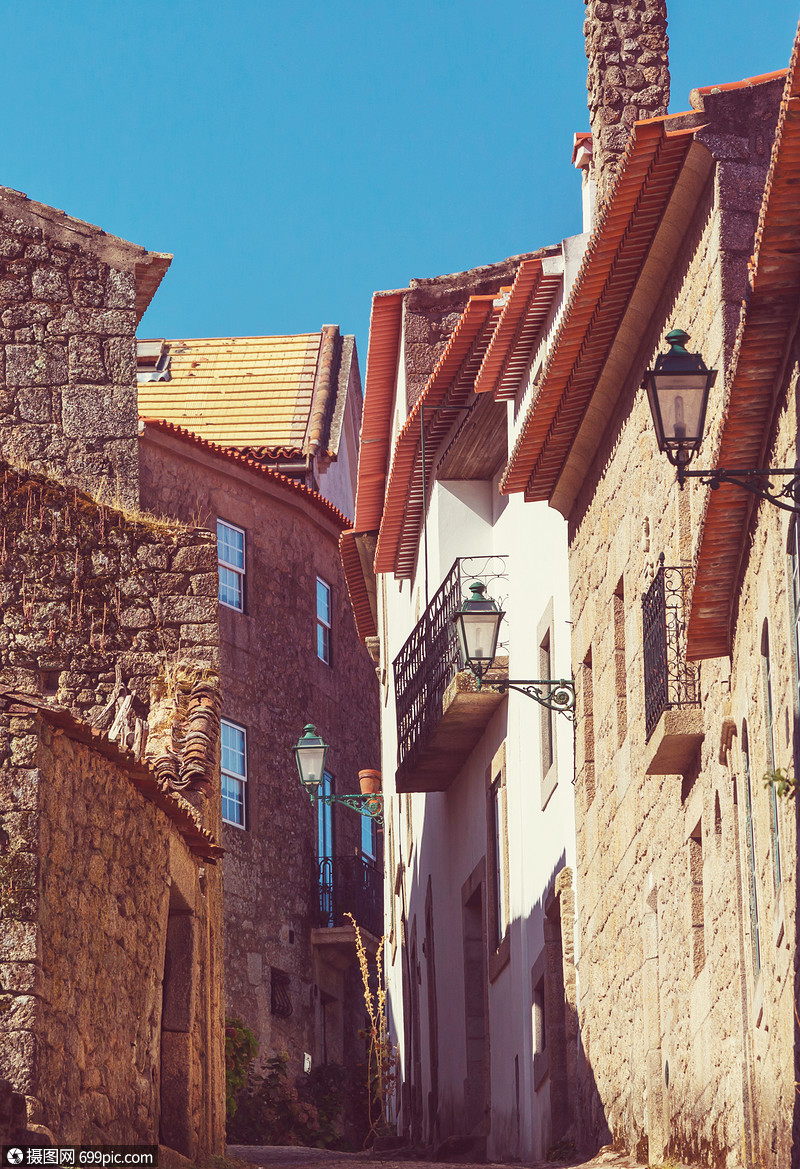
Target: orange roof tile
x,y
140,772
765,331
240,459
385,327
518,331
450,384
238,391
611,266
356,586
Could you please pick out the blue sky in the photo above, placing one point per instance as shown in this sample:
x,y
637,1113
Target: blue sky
x,y
294,157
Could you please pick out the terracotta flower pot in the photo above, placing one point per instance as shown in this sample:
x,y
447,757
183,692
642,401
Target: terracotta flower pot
x,y
370,782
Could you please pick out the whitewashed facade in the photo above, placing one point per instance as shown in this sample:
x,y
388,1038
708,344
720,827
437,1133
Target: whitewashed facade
x,y
479,888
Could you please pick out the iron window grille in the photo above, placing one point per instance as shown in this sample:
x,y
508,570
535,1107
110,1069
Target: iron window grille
x,y
670,681
280,1002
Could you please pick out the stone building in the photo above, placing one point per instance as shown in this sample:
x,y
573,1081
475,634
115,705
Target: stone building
x,y
111,940
686,880
479,959
257,437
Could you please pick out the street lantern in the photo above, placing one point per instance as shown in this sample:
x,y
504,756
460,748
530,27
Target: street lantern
x,y
678,388
310,754
478,627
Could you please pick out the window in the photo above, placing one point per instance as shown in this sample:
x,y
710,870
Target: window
x,y
545,714
234,773
794,564
697,898
323,621
369,836
230,558
750,846
500,858
325,850
773,798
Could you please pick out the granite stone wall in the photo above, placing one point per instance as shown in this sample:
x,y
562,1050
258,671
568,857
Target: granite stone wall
x,y
99,607
684,1051
108,619
87,878
67,358
273,683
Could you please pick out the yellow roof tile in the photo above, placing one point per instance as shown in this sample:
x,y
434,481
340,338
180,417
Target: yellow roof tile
x,y
237,391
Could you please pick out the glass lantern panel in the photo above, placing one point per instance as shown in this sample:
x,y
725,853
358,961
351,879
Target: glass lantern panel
x,y
681,400
480,630
310,762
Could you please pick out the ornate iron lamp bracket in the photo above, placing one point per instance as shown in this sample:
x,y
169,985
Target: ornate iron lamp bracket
x,y
370,804
756,482
556,694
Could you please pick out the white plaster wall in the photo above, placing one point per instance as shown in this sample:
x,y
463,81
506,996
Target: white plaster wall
x,y
449,836
338,482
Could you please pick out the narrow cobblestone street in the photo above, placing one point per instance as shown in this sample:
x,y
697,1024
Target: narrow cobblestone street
x,y
283,1157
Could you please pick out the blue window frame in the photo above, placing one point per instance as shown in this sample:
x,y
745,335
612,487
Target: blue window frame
x,y
325,849
369,837
324,615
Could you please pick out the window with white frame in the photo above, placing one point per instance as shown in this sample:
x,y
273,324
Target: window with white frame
x,y
323,621
233,773
794,567
230,558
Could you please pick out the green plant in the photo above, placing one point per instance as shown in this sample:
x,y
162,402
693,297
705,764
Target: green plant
x,y
270,1111
241,1047
315,1110
783,781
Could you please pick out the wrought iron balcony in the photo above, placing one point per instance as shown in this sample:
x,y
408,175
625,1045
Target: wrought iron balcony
x,y
440,714
670,681
350,884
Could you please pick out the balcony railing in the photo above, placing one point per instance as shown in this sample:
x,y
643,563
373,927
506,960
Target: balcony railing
x,y
350,884
428,662
670,681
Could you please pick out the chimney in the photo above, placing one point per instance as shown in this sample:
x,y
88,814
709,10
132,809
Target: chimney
x,y
628,76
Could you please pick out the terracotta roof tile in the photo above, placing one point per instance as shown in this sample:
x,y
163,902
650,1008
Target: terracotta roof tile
x,y
611,266
375,447
765,331
356,586
238,391
519,329
140,771
450,384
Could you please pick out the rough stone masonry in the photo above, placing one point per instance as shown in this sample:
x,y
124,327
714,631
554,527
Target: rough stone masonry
x,y
627,78
70,299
